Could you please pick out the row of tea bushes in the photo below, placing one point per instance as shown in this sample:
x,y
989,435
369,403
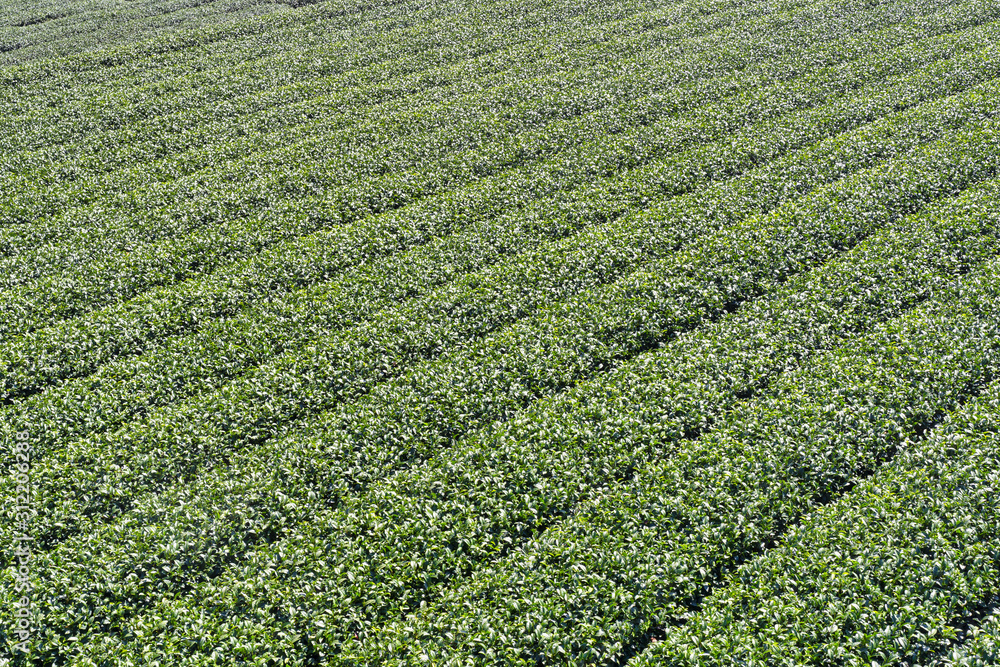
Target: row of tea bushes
x,y
645,554
400,544
579,335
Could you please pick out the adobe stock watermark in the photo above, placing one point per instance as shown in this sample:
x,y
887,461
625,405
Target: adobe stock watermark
x,y
24,511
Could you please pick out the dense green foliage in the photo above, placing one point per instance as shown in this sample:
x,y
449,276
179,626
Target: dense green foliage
x,y
525,332
981,647
876,575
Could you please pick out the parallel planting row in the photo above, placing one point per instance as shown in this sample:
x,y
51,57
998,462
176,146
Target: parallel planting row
x,y
279,324
383,332
50,29
607,198
142,257
646,555
417,530
592,329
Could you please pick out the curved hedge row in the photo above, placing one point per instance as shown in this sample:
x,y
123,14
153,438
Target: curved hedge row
x,y
646,553
401,543
218,352
560,346
519,101
307,67
519,332
44,30
139,263
62,88
290,112
879,576
574,338
38,359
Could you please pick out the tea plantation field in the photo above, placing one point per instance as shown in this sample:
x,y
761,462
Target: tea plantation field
x,y
500,332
